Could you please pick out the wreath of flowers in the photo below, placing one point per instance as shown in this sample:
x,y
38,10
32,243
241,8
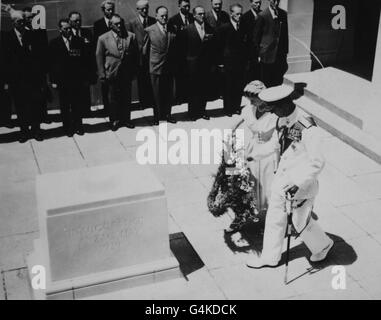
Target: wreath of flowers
x,y
234,186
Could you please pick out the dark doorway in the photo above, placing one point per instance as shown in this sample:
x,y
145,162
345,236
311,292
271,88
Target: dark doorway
x,y
353,49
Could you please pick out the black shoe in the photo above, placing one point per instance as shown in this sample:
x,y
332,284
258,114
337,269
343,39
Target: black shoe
x,y
130,125
205,117
171,120
229,114
37,135
155,123
238,112
47,120
114,125
24,137
80,131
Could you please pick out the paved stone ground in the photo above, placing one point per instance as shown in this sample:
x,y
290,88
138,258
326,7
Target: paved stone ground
x,y
349,207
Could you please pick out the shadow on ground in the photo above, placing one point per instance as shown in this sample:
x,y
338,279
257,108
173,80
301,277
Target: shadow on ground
x,y
250,239
183,251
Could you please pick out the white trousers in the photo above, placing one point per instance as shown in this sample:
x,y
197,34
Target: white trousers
x,y
276,223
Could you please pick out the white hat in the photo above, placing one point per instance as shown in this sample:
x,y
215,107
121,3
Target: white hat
x,y
275,93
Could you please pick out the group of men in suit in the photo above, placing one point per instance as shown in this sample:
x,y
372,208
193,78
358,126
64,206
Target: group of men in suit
x,y
194,56
23,56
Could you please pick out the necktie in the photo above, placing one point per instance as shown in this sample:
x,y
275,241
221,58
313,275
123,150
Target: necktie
x,y
21,40
202,31
68,43
119,43
165,28
145,23
186,21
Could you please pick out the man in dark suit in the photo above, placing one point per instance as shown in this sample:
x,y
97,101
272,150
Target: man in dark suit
x,y
102,26
117,59
232,50
216,17
5,99
68,74
137,26
177,24
179,21
41,38
160,49
196,41
271,37
248,22
23,77
75,19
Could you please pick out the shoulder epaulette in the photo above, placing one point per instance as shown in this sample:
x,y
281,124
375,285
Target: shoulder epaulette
x,y
307,122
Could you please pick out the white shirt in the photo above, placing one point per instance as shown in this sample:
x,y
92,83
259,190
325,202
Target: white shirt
x,y
76,32
215,15
142,19
201,29
273,13
161,27
254,13
183,18
67,44
234,24
19,36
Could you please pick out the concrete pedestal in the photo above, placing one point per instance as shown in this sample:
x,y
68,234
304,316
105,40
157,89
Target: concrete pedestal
x,y
101,229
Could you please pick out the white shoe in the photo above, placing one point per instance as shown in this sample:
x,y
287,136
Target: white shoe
x,y
258,263
322,254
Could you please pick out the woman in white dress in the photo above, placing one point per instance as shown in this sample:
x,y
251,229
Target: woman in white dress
x,y
258,127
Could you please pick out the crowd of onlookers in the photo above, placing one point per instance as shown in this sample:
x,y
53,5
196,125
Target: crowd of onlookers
x,y
193,57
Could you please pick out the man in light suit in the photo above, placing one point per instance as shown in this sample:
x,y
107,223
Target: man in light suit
x,y
196,41
117,58
271,37
102,26
160,49
249,21
297,140
137,26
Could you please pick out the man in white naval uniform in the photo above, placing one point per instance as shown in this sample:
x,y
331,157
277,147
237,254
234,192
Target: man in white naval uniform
x,y
296,140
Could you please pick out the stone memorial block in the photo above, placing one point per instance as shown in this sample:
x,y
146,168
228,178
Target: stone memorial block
x,y
101,229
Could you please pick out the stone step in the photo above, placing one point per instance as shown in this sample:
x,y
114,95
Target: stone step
x,y
322,97
342,128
